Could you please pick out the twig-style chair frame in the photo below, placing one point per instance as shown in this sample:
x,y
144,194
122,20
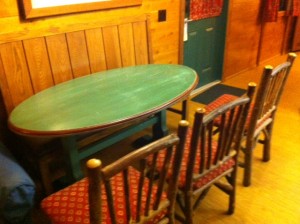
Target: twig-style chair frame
x,y
119,193
209,157
263,113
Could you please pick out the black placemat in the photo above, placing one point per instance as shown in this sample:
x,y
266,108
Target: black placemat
x,y
216,91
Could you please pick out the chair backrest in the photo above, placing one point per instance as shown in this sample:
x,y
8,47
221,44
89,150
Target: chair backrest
x,y
213,149
268,95
31,65
142,195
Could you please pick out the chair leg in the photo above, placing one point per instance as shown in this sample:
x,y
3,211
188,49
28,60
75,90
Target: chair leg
x,y
200,197
248,163
267,143
185,110
188,211
46,175
232,181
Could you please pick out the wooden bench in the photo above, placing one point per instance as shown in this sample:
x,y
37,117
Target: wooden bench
x,y
31,65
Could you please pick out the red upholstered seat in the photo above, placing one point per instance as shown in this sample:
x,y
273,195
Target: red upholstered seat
x,y
70,205
220,101
209,176
119,193
225,98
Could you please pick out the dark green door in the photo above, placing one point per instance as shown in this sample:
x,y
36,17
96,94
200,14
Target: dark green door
x,y
204,47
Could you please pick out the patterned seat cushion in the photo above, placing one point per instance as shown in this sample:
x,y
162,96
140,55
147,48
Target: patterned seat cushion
x,y
220,101
226,98
207,177
70,205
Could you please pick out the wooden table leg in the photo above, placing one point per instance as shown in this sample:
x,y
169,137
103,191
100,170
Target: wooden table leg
x,y
72,159
160,128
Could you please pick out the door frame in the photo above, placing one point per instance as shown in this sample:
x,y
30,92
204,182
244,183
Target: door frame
x,y
182,14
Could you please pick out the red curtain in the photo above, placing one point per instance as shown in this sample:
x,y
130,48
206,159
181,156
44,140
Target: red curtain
x,y
271,8
201,9
270,11
293,8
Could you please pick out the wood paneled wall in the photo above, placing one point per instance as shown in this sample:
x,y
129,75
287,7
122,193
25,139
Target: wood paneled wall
x,y
250,41
296,36
164,34
247,42
243,34
32,65
272,38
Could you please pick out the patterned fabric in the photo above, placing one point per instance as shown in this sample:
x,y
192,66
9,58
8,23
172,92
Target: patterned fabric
x,y
207,177
70,205
201,9
270,12
226,98
294,8
220,101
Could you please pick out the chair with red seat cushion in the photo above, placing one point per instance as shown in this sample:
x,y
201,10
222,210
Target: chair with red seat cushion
x,y
209,157
262,113
125,191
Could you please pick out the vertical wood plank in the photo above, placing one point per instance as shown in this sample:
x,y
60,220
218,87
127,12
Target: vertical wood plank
x,y
94,40
38,64
127,44
15,79
112,47
78,53
141,43
272,39
59,58
238,39
46,61
296,36
5,90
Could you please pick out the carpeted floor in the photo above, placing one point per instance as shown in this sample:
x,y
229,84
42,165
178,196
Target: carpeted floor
x,y
216,91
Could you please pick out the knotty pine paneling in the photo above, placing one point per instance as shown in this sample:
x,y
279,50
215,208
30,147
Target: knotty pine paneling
x,y
242,41
96,51
60,63
272,37
15,28
78,53
38,63
243,35
296,36
31,65
15,66
8,8
111,40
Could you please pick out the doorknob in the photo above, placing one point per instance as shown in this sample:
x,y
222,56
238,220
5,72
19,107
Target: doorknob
x,y
209,29
186,20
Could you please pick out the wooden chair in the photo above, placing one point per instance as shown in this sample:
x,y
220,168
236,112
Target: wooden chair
x,y
262,113
208,158
125,191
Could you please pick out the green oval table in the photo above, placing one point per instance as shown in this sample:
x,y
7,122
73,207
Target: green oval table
x,y
103,100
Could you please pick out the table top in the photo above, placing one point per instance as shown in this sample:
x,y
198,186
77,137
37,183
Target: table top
x,y
103,99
